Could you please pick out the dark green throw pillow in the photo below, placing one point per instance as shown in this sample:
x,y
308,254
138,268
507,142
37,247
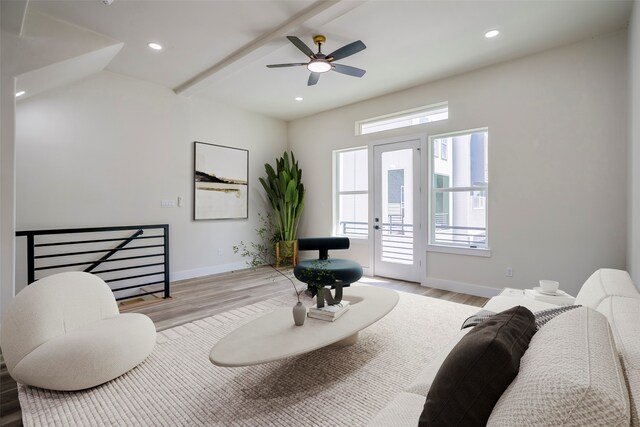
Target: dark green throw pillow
x,y
478,370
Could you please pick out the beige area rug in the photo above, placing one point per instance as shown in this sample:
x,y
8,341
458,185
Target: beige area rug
x,y
333,386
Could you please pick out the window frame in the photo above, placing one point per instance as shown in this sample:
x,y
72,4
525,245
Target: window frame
x,y
337,193
463,249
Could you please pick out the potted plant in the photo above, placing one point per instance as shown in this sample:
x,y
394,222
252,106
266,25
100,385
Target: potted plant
x,y
285,192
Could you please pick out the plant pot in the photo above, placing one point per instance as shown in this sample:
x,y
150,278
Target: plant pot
x,y
299,314
286,253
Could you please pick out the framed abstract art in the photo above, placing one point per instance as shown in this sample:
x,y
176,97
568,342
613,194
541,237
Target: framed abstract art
x,y
221,182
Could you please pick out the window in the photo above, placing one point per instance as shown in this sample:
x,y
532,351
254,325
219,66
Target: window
x,y
444,149
458,190
414,117
351,196
479,200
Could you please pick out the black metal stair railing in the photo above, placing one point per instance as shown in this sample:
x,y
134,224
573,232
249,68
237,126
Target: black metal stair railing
x,y
146,266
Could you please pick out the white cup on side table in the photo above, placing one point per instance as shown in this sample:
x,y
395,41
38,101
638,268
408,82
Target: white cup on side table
x,y
549,286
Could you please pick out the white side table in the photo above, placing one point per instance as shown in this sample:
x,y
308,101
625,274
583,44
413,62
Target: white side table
x,y
564,299
511,292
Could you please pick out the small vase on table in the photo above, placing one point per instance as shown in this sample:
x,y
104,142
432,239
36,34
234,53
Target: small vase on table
x,y
299,314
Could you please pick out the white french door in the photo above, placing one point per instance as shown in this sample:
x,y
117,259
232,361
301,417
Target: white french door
x,y
397,209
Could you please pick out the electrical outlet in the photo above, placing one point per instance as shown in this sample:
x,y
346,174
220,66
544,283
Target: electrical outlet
x,y
219,251
509,272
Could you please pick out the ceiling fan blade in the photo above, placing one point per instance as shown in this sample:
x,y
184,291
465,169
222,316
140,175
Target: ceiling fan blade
x,y
300,45
286,65
313,79
350,71
347,50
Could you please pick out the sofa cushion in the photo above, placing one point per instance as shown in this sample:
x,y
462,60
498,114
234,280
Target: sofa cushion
x,y
478,370
569,376
624,317
403,410
603,283
542,317
425,377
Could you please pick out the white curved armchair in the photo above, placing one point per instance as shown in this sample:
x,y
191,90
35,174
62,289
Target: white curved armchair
x,y
65,332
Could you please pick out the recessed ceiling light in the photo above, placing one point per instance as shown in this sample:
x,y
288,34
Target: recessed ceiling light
x,y
299,98
491,34
20,93
155,46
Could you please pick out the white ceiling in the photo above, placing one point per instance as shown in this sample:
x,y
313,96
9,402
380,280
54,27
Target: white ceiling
x,y
408,42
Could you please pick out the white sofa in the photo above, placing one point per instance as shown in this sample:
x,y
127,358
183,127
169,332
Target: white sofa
x,y
65,332
611,297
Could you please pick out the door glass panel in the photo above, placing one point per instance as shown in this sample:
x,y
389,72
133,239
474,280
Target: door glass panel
x,y
397,206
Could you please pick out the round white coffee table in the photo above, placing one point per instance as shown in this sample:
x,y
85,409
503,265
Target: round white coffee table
x,y
274,336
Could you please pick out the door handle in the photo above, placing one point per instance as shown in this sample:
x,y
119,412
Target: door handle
x,y
377,227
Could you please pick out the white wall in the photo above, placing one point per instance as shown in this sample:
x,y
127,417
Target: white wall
x,y
633,248
7,179
557,162
106,150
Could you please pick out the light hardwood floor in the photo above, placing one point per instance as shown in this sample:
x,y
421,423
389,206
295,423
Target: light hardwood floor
x,y
202,297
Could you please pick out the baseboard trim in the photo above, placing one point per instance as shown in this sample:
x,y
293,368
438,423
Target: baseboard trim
x,y
461,287
208,271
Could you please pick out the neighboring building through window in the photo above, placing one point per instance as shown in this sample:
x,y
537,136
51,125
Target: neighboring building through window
x,y
351,195
459,188
444,149
414,117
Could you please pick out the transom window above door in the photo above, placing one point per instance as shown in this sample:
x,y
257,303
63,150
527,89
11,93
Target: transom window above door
x,y
400,119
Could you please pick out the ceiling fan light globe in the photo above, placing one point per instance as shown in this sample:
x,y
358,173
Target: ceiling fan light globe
x,y
319,66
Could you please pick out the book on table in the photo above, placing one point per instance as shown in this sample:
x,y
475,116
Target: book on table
x,y
562,298
329,312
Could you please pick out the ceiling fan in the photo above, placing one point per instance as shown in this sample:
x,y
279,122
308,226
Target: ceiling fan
x,y
320,63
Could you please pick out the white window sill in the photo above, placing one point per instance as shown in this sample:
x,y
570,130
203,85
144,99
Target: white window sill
x,y
459,251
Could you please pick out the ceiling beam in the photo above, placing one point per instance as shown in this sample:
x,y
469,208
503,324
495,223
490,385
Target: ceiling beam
x,y
336,8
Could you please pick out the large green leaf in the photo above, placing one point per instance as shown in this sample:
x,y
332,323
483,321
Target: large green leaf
x,y
284,189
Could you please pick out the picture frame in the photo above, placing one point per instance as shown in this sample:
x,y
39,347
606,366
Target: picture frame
x,y
221,182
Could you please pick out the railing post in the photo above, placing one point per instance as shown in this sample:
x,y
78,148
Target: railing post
x,y
167,293
31,267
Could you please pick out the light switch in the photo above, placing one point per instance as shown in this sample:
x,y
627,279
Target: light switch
x,y
167,203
